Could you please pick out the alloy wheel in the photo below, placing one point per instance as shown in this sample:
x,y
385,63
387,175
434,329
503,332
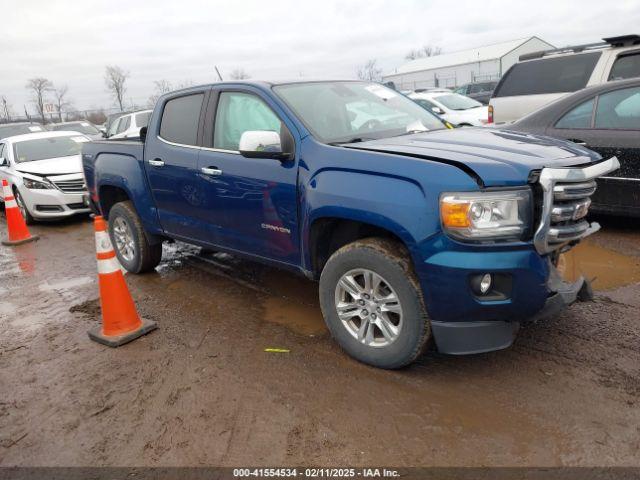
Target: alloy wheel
x,y
368,307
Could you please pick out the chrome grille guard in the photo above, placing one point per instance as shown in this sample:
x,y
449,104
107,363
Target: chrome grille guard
x,y
565,201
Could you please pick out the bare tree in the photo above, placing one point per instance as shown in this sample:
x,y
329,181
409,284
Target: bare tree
x,y
5,109
97,117
60,94
160,88
425,51
115,79
370,71
239,74
39,87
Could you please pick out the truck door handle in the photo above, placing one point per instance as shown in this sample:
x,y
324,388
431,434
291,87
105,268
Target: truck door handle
x,y
211,171
156,162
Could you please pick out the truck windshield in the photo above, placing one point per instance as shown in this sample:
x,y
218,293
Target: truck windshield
x,y
341,112
51,147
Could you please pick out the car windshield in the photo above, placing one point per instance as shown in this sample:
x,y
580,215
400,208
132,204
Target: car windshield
x,y
50,147
341,112
11,130
457,102
142,119
82,127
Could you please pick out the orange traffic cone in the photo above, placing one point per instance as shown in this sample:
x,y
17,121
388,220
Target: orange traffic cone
x,y
18,231
120,321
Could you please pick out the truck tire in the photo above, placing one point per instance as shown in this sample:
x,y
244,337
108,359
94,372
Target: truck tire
x,y
382,321
130,243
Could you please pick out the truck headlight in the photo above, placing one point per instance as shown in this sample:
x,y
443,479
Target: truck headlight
x,y
35,184
489,215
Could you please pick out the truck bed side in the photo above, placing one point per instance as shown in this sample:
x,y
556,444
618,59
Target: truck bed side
x,y
114,171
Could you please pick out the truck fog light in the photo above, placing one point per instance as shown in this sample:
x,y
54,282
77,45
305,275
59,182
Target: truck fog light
x,y
482,284
485,283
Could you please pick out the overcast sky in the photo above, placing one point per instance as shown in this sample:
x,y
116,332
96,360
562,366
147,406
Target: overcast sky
x,y
70,42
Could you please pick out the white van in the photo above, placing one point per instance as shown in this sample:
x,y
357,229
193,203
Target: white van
x,y
129,125
542,77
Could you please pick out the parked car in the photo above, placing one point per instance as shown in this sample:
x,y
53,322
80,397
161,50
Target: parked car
x,y
129,125
45,172
456,109
82,126
605,118
414,231
543,77
19,128
479,91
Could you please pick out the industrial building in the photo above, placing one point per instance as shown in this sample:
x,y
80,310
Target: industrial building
x,y
457,68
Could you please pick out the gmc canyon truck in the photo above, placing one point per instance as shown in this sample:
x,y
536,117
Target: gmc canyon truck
x,y
415,231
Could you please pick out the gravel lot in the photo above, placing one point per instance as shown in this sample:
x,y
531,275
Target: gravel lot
x,y
201,390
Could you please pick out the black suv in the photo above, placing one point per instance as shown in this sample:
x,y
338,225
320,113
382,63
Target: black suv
x,y
479,91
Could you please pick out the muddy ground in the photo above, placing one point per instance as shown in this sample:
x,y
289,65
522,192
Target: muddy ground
x,y
201,390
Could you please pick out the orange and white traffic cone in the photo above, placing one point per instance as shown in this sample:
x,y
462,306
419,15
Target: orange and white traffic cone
x,y
120,321
18,231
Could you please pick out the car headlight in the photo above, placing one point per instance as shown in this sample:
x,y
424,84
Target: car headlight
x,y
489,215
36,184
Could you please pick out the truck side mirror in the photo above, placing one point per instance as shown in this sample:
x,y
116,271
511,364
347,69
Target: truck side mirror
x,y
4,162
143,134
262,144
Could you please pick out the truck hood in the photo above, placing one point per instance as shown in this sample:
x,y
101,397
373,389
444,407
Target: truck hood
x,y
496,157
52,166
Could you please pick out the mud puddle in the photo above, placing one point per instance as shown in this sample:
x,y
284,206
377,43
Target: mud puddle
x,y
300,318
285,298
609,269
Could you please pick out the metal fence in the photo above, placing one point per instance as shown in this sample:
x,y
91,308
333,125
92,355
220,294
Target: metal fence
x,y
442,81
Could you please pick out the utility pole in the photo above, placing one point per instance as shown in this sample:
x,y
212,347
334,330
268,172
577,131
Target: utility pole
x,y
218,72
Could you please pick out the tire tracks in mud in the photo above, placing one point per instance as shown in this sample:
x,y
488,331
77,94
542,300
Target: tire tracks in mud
x,y
599,337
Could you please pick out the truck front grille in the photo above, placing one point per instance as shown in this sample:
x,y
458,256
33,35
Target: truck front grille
x,y
566,199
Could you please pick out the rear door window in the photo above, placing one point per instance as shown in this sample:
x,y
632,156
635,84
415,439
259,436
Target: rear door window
x,y
142,119
627,66
619,109
114,126
124,124
548,75
579,117
180,119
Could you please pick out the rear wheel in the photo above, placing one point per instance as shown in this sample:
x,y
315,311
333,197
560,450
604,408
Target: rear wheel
x,y
372,303
131,244
28,218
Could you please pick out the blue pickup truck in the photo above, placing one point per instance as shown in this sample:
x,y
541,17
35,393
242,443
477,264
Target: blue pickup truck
x,y
415,231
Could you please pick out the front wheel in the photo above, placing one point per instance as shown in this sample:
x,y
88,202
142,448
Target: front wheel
x,y
372,303
28,218
131,244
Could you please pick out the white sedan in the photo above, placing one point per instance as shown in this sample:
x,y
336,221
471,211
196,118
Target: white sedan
x,y
45,171
456,109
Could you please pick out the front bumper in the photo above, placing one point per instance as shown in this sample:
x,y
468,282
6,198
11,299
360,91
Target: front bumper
x,y
464,338
53,203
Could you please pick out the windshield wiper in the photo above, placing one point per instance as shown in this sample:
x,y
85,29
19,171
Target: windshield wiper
x,y
353,140
410,132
